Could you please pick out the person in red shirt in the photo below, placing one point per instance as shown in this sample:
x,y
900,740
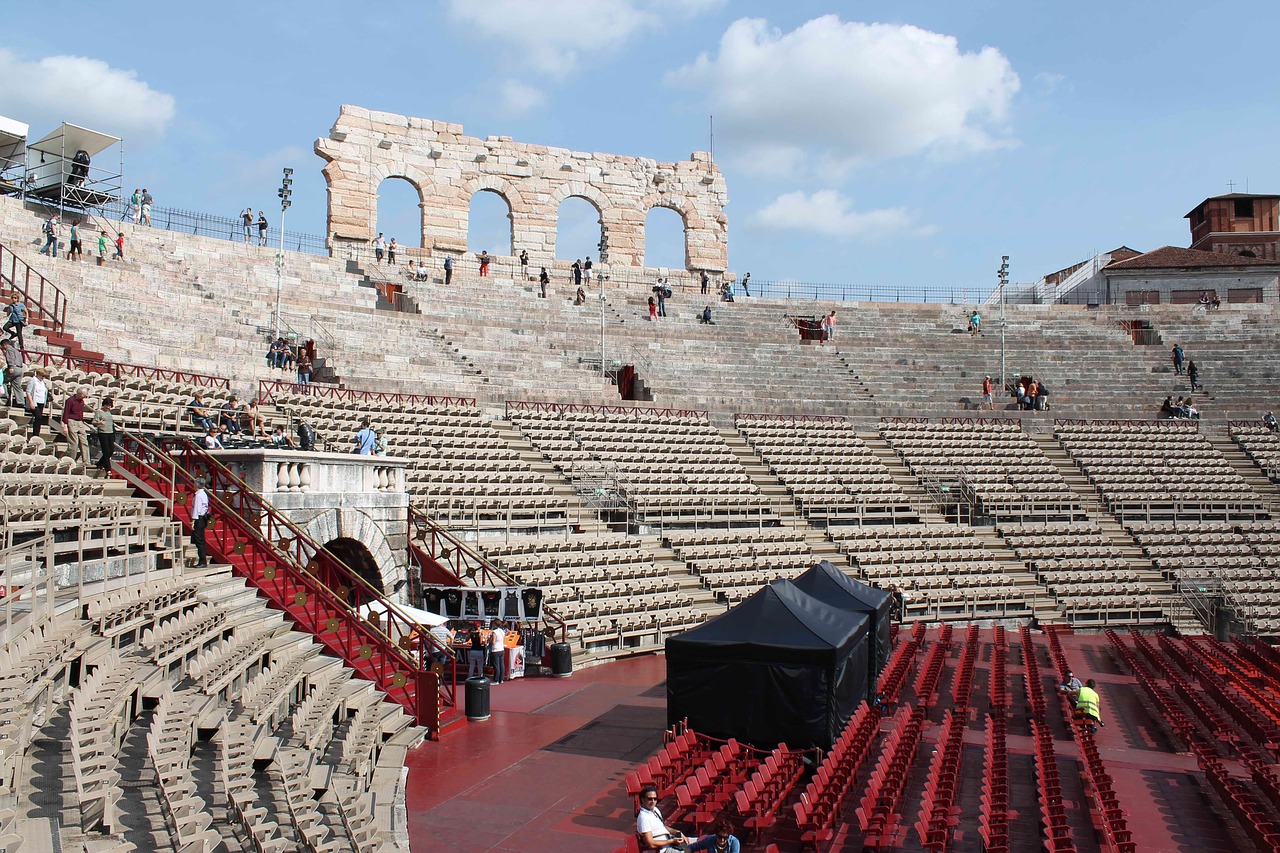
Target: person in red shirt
x,y
77,431
987,388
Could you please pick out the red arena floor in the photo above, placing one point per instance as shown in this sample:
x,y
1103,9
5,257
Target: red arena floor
x,y
545,773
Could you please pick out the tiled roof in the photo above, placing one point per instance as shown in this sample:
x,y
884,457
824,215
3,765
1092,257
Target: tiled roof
x,y
1175,257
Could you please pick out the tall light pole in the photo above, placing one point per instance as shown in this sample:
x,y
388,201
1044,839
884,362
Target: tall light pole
x,y
284,193
1004,281
603,247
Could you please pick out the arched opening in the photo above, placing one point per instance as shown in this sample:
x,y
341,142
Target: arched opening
x,y
399,212
356,557
664,238
1247,253
489,225
578,230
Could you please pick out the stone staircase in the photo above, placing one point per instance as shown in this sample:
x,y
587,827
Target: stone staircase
x,y
764,479
1245,467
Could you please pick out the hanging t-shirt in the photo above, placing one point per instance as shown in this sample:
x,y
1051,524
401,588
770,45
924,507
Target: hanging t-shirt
x,y
434,599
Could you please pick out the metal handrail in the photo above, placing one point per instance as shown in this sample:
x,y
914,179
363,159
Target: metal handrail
x,y
44,299
220,227
457,557
36,589
179,461
120,369
269,389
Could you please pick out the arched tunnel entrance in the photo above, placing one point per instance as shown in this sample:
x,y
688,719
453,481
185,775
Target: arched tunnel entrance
x,y
356,557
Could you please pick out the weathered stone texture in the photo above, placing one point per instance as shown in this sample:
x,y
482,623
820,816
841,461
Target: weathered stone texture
x,y
365,147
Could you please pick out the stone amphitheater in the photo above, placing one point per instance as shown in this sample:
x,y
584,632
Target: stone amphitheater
x,y
151,705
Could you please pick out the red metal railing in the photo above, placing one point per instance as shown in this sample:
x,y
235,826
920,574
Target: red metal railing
x,y
120,369
320,593
268,389
440,551
561,408
44,299
738,417
1150,423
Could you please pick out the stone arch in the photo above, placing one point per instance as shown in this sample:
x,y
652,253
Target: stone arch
x,y
356,557
660,248
667,201
582,190
611,224
348,523
483,216
419,232
500,185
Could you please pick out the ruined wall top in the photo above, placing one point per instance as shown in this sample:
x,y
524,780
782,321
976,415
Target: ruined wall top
x,y
447,168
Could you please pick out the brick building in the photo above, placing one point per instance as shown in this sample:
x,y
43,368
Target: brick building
x,y
1245,224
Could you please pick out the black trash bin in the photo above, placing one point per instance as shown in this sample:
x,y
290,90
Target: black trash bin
x,y
561,660
477,699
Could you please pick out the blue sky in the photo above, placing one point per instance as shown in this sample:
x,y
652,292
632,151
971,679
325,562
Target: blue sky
x,y
871,143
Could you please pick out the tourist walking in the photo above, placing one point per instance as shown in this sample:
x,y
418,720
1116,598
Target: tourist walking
x,y
145,208
76,429
17,321
105,426
50,229
200,518
15,369
134,208
37,392
262,228
76,250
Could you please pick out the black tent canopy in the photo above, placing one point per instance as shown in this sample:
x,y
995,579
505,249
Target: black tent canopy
x,y
779,667
831,586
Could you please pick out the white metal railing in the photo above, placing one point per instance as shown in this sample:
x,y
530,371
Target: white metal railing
x,y
106,554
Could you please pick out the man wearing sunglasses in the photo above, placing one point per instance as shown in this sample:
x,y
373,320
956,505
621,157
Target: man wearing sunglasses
x,y
651,830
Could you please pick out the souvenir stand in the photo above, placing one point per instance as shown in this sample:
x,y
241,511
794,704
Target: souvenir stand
x,y
471,608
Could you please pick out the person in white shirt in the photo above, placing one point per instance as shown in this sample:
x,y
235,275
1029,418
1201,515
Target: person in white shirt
x,y
498,652
212,441
651,830
37,391
199,521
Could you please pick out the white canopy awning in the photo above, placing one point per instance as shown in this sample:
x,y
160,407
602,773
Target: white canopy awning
x,y
13,140
70,138
422,617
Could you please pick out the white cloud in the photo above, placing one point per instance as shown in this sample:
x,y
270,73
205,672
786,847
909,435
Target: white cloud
x,y
553,36
831,213
839,93
83,91
1049,82
516,98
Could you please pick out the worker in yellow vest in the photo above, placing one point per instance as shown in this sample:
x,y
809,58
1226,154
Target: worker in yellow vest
x,y
1088,705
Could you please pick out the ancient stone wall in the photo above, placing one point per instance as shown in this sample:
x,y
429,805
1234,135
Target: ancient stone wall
x,y
365,147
